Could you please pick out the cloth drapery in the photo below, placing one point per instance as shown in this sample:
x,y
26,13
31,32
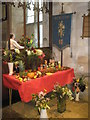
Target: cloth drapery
x,y
26,89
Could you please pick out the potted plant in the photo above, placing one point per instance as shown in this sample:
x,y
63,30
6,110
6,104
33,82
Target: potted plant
x,y
61,93
27,41
79,85
41,102
10,64
10,56
30,56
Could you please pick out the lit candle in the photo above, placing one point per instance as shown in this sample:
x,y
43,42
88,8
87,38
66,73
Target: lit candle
x,y
59,64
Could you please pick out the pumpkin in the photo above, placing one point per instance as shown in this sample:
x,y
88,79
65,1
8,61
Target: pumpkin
x,y
31,75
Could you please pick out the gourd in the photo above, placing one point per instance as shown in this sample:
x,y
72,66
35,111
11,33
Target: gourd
x,y
31,75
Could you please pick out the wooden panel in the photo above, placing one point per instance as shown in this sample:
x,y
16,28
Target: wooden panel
x,y
50,25
86,26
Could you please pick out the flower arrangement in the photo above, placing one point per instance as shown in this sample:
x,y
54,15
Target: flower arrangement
x,y
10,55
79,84
30,57
33,56
27,42
62,91
41,101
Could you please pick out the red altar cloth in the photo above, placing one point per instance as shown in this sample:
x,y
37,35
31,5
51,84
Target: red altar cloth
x,y
26,89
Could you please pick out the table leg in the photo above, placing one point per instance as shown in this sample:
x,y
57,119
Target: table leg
x,y
10,96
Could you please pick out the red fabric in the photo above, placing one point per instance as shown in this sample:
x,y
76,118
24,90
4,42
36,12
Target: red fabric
x,y
26,89
10,82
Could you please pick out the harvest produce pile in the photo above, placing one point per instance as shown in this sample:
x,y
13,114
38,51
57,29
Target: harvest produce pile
x,y
28,75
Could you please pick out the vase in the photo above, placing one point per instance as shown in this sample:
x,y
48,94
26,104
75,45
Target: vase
x,y
77,96
61,104
43,114
10,66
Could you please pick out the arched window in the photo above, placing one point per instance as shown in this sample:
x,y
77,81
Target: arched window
x,y
32,18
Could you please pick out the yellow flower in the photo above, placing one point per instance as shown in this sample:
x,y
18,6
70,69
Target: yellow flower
x,y
39,52
78,80
45,90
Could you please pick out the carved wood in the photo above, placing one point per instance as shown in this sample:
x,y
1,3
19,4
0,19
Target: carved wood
x,y
50,25
86,26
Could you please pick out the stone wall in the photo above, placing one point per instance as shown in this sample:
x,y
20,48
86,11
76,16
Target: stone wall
x,y
17,22
16,25
79,46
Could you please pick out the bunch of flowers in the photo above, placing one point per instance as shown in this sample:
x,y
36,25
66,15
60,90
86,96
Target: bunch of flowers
x,y
27,42
62,91
79,84
29,56
10,55
34,57
41,100
34,51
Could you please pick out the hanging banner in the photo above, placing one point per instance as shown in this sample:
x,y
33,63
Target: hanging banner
x,y
61,30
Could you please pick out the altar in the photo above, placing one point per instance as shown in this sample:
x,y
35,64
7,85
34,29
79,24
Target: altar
x,y
26,89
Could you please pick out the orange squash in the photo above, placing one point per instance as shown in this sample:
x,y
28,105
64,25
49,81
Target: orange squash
x,y
31,75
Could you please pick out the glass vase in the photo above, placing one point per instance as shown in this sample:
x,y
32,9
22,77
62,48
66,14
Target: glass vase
x,y
61,104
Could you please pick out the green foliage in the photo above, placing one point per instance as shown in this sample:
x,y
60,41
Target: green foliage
x,y
8,55
21,56
29,56
79,83
81,80
62,91
21,66
41,101
33,61
23,73
11,59
5,55
27,42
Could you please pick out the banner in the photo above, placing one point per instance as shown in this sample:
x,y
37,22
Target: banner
x,y
61,30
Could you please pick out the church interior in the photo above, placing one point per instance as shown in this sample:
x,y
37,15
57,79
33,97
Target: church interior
x,y
50,58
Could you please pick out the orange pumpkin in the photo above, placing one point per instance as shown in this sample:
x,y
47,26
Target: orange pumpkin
x,y
31,75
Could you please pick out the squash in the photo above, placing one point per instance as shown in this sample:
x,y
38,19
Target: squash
x,y
49,73
31,75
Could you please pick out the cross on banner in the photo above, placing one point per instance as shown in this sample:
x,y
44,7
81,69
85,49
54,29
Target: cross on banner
x,y
61,30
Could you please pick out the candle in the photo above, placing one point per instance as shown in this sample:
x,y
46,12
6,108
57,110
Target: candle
x,y
59,64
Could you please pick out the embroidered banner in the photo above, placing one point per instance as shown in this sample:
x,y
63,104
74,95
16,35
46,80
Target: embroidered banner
x,y
61,30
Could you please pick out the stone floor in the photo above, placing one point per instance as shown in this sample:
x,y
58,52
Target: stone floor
x,y
27,110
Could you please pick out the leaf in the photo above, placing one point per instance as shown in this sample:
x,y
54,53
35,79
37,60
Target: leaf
x,y
39,109
21,66
47,106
